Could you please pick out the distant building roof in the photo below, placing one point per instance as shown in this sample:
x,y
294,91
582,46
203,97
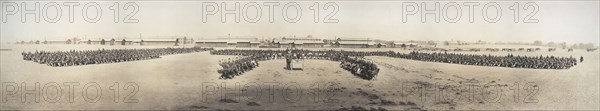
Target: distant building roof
x,y
308,42
355,42
233,40
211,40
237,38
405,43
355,39
145,40
302,38
301,42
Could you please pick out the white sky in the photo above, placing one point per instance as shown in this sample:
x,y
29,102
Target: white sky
x,y
568,21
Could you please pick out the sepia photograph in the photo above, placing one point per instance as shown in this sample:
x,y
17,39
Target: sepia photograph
x,y
342,55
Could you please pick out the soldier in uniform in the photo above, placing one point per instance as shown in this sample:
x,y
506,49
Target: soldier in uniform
x,y
288,60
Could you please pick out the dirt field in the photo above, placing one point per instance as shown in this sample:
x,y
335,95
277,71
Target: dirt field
x,y
190,81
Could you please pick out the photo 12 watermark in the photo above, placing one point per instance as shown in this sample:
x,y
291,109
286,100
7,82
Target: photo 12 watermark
x,y
453,12
253,12
67,92
71,12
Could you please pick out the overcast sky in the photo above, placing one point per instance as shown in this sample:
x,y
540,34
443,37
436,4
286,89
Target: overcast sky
x,y
567,21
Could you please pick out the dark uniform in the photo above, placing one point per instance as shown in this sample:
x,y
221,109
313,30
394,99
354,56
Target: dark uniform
x,y
288,61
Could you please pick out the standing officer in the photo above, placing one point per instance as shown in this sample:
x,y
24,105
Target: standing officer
x,y
288,60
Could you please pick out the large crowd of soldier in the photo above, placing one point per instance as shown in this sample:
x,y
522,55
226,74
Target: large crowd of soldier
x,y
491,49
101,56
533,62
351,60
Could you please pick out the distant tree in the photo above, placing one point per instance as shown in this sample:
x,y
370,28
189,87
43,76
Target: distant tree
x,y
562,45
431,43
69,41
551,44
185,41
537,42
412,45
112,41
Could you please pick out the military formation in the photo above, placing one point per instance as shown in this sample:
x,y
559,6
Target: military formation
x,y
101,56
511,61
351,60
359,67
248,59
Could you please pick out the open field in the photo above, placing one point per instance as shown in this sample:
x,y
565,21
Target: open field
x,y
177,82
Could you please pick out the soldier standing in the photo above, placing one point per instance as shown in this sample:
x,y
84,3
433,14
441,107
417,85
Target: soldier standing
x,y
288,60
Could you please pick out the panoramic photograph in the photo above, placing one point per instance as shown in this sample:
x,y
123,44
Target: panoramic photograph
x,y
346,55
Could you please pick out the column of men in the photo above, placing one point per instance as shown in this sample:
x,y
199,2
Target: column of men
x,y
250,58
101,56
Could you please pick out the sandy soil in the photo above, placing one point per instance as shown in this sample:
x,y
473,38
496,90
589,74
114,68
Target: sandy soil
x,y
190,81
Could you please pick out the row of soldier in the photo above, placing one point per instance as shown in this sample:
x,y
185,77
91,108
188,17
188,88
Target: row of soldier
x,y
297,53
101,56
488,49
534,62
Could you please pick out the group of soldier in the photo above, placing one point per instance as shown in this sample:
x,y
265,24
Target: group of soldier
x,y
237,66
533,62
101,56
351,60
359,67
